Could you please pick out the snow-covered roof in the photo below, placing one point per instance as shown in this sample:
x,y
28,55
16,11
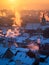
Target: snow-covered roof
x,y
33,38
11,63
44,27
21,39
45,41
4,61
42,56
31,26
45,63
14,49
35,26
21,56
25,35
22,49
42,39
2,50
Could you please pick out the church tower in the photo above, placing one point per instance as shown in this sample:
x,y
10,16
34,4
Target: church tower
x,y
43,20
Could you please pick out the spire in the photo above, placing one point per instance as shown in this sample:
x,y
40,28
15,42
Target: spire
x,y
43,19
43,15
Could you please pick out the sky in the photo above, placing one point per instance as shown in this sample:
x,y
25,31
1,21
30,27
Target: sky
x,y
15,5
24,4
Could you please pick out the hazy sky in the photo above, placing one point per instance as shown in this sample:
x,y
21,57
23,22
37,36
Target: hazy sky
x,y
24,4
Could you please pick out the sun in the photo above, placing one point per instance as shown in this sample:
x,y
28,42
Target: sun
x,y
11,1
13,4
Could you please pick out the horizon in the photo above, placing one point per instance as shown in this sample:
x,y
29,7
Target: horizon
x,y
24,4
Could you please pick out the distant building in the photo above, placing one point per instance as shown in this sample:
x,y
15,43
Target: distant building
x,y
43,20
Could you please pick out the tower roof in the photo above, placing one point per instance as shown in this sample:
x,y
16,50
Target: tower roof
x,y
43,18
